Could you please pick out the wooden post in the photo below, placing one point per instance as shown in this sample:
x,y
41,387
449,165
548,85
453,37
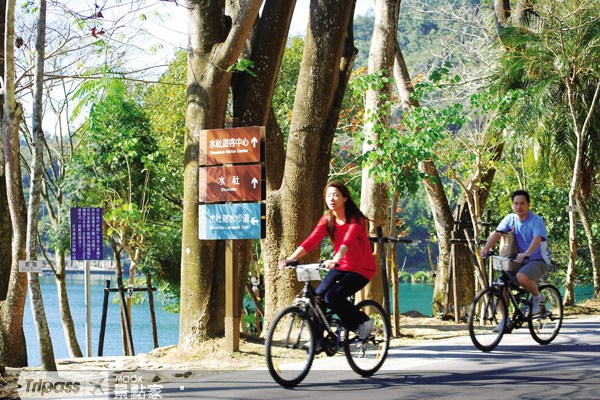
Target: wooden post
x,y
88,308
395,289
384,278
232,309
103,321
125,318
152,315
453,271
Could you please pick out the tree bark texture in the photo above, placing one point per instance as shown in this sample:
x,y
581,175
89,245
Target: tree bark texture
x,y
293,210
5,224
35,292
252,96
587,226
13,351
213,49
375,199
64,308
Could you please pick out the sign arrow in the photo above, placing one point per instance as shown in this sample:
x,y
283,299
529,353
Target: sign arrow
x,y
254,141
254,183
254,221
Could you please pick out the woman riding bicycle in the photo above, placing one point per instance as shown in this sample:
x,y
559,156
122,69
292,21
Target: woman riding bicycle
x,y
352,265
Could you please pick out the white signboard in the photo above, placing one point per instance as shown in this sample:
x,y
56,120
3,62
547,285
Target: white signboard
x,y
31,266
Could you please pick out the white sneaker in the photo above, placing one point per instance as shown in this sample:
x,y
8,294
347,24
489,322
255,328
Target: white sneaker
x,y
535,304
364,329
507,327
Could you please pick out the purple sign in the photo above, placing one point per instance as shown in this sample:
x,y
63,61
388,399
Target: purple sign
x,y
86,234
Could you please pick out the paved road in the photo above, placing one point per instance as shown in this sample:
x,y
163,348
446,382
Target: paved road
x,y
519,368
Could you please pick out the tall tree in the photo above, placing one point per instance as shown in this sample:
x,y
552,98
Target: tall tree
x,y
13,351
215,44
327,60
33,210
5,225
556,55
374,200
252,93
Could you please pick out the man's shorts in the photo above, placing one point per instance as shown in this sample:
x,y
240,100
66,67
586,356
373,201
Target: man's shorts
x,y
534,269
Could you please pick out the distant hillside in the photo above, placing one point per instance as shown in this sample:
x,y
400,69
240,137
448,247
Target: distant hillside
x,y
429,32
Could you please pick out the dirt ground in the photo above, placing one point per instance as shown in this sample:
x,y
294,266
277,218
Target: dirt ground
x,y
213,355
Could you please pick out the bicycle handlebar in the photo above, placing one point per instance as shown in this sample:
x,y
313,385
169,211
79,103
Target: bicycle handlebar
x,y
296,264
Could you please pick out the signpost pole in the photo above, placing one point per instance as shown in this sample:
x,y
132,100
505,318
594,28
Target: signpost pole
x,y
232,314
88,311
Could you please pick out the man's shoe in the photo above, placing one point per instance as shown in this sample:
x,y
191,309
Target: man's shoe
x,y
364,329
318,347
507,327
536,304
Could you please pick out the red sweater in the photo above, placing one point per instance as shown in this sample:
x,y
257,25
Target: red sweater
x,y
359,257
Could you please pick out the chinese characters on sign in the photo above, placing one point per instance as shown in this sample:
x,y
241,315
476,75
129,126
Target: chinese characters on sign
x,y
86,234
231,172
31,266
231,146
230,221
231,183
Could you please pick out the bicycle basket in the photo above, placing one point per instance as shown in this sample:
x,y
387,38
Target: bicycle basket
x,y
308,272
500,263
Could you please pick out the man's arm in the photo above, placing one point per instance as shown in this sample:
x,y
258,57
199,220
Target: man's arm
x,y
532,246
491,242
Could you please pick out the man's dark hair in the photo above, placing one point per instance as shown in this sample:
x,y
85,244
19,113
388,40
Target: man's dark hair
x,y
520,193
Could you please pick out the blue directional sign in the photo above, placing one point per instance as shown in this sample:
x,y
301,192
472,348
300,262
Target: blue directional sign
x,y
230,221
86,234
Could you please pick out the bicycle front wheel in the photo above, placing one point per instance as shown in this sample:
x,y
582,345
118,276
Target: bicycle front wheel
x,y
367,356
290,346
487,319
545,326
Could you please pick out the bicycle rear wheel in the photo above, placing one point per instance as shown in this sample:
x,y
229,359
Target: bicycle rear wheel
x,y
290,346
545,326
487,319
367,356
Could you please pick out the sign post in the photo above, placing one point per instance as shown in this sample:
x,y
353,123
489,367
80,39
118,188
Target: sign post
x,y
86,245
231,185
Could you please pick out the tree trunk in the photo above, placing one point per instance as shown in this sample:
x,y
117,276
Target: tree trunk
x,y
252,98
212,50
5,224
575,188
444,223
35,291
587,226
65,310
13,351
375,199
292,211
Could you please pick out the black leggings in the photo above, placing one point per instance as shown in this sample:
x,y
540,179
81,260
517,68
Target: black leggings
x,y
335,289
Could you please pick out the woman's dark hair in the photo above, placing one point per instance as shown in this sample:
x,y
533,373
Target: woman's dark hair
x,y
351,209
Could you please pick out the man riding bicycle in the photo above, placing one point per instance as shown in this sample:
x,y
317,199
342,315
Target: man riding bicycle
x,y
532,243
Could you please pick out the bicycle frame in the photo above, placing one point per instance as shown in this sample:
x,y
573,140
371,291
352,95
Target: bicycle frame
x,y
308,297
518,317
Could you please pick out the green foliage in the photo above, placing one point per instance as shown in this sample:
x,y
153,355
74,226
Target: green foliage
x,y
419,277
557,62
168,293
243,65
285,91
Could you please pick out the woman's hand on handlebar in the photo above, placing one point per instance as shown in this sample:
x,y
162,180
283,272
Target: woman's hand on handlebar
x,y
330,264
284,263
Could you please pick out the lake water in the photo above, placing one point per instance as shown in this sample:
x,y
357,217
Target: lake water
x,y
412,297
